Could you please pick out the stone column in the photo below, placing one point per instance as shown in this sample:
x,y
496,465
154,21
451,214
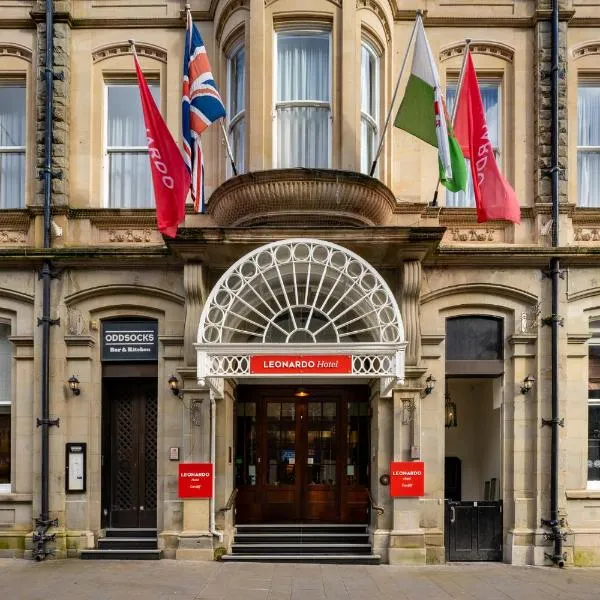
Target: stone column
x,y
195,277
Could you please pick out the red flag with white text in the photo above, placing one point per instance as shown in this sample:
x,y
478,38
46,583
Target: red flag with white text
x,y
170,176
494,197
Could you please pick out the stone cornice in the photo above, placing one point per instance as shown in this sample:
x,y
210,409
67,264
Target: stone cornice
x,y
522,338
225,15
10,49
487,47
313,197
85,341
124,48
112,290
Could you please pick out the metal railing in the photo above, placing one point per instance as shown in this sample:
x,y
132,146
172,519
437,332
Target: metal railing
x,y
231,502
378,509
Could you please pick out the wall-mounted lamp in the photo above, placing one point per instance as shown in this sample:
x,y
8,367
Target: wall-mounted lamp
x,y
429,385
450,412
527,384
174,385
74,385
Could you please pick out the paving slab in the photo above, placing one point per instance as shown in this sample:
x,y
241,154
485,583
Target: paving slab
x,y
185,580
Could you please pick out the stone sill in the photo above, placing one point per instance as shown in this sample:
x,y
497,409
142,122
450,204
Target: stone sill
x,y
583,494
15,497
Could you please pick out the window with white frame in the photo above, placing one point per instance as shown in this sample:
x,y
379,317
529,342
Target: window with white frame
x,y
369,105
593,463
5,404
12,144
129,179
303,99
491,96
588,144
236,95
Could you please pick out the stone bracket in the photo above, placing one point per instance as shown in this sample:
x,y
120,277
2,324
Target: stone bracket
x,y
553,319
549,423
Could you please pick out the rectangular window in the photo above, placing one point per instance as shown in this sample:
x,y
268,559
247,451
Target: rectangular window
x,y
491,97
12,144
369,106
237,108
129,177
5,404
594,416
588,144
303,99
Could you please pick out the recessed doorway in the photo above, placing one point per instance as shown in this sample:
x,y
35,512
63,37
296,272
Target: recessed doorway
x,y
302,454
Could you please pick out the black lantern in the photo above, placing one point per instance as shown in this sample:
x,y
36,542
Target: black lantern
x,y
527,384
74,385
429,385
451,418
174,385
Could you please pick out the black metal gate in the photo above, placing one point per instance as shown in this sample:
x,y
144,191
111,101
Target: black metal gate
x,y
131,452
473,531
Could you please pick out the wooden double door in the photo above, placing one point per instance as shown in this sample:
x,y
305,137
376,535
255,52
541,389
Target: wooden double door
x,y
302,458
129,452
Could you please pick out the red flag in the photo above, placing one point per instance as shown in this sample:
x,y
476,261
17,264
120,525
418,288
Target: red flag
x,y
170,176
494,197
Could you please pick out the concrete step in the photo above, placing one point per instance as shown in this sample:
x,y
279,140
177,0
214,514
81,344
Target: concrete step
x,y
122,543
302,538
130,532
301,528
348,559
121,554
300,549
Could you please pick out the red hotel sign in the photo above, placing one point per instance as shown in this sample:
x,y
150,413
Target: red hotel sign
x,y
407,479
306,364
195,480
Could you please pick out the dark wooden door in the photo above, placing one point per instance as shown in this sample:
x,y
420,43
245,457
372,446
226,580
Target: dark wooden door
x,y
302,460
129,454
473,531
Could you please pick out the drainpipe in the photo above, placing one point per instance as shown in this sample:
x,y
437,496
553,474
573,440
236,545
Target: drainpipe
x,y
43,522
554,523
213,445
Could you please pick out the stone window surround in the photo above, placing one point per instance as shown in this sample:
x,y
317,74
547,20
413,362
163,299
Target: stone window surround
x,y
16,65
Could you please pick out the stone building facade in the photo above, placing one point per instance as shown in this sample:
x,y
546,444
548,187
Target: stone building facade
x,y
465,301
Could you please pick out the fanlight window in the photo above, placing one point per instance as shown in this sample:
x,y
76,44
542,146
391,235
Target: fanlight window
x,y
301,292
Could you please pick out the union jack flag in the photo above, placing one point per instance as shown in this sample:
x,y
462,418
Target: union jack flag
x,y
201,106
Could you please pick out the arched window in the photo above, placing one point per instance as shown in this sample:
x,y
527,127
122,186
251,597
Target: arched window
x,y
474,338
369,105
236,95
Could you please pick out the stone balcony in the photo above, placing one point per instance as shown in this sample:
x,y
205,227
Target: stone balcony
x,y
302,197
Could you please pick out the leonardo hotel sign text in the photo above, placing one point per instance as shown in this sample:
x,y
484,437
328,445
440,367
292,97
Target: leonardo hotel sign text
x,y
307,364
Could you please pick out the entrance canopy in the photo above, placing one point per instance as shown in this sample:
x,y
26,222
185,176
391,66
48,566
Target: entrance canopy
x,y
301,307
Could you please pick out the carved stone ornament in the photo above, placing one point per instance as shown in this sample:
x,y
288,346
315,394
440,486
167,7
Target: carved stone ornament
x,y
15,50
587,234
529,319
76,323
587,49
473,235
9,237
124,47
129,236
375,7
489,48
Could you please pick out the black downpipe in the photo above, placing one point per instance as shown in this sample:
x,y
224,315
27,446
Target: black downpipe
x,y
556,535
43,522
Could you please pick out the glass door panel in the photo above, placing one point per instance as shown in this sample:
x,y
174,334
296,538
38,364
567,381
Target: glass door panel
x,y
321,459
281,443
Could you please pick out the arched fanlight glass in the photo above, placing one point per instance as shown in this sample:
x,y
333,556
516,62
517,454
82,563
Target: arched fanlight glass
x,y
301,291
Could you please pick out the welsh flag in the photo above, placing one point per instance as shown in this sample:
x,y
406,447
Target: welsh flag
x,y
423,114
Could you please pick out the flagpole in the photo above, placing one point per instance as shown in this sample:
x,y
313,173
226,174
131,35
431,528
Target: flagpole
x,y
461,77
387,120
229,153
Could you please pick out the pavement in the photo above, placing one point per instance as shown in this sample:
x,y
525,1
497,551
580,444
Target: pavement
x,y
168,579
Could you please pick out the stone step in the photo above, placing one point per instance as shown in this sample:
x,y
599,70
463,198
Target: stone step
x,y
130,532
300,549
348,559
121,554
121,543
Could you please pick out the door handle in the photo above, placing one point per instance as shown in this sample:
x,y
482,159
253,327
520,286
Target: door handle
x,y
452,514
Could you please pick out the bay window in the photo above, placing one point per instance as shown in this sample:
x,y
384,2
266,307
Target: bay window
x,y
129,179
369,105
12,144
303,99
491,97
236,80
588,144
